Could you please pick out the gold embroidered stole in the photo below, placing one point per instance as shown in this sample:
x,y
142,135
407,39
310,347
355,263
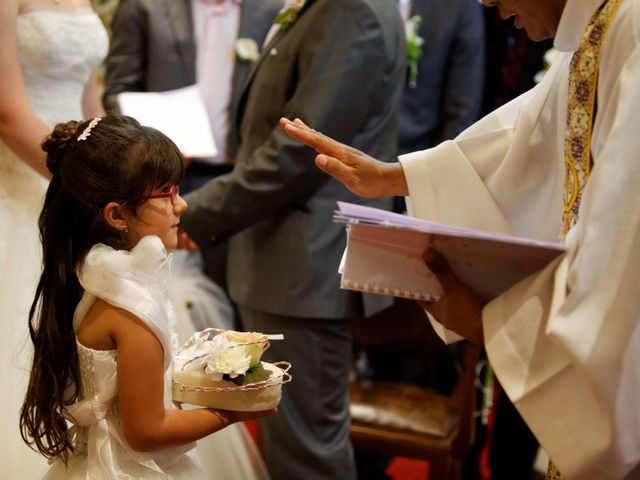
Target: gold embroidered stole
x,y
583,81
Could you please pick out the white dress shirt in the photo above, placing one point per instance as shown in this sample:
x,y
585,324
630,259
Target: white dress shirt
x,y
565,343
216,29
405,8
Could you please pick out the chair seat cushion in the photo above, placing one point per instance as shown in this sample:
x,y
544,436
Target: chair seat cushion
x,y
404,407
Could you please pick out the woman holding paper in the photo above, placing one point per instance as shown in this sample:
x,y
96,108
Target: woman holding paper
x,y
564,342
49,50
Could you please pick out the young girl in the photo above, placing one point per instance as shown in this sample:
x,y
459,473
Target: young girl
x,y
98,401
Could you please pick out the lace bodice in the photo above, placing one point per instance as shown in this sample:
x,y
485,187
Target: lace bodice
x,y
58,51
98,382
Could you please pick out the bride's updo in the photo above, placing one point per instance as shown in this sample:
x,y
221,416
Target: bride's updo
x,y
57,142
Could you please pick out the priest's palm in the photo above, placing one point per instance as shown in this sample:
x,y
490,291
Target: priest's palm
x,y
363,175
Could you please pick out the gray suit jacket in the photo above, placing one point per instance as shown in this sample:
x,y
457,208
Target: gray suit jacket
x,y
339,67
448,95
153,48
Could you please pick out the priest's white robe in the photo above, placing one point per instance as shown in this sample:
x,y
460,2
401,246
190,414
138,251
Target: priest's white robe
x,y
565,342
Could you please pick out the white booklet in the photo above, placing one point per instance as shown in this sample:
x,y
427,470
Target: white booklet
x,y
179,114
384,255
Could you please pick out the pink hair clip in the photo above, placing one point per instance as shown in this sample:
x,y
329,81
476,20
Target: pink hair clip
x,y
87,131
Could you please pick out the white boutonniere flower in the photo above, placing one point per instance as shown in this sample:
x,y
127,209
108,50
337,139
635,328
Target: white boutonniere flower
x,y
247,49
289,12
414,48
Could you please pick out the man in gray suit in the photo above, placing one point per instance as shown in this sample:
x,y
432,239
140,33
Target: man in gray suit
x,y
345,56
155,46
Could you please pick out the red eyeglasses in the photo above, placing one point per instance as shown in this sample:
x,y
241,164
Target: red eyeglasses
x,y
173,193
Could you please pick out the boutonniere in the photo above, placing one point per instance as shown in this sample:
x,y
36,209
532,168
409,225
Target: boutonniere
x,y
414,48
247,49
289,12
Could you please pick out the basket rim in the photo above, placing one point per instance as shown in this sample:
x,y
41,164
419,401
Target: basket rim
x,y
281,379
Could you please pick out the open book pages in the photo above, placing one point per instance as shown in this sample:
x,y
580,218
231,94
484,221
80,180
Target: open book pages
x,y
384,255
179,114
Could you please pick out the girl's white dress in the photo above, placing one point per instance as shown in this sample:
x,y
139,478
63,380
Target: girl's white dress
x,y
57,52
137,282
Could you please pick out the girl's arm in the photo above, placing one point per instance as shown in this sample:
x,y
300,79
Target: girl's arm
x,y
20,127
147,425
91,105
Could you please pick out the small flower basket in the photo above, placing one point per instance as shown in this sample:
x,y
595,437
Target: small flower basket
x,y
225,372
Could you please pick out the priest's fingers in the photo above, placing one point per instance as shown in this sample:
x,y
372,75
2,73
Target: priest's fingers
x,y
363,175
316,140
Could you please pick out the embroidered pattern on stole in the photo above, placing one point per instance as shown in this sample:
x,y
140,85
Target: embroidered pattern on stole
x,y
583,82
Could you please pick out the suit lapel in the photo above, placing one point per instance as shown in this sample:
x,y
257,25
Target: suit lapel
x,y
256,65
181,23
251,15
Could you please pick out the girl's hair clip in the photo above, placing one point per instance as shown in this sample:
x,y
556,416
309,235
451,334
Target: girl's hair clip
x,y
87,131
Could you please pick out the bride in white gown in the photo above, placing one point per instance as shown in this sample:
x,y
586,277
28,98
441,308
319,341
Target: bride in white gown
x,y
48,50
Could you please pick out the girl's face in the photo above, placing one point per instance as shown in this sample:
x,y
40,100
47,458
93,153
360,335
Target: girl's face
x,y
159,215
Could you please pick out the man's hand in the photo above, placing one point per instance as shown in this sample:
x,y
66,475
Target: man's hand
x,y
185,242
459,308
363,175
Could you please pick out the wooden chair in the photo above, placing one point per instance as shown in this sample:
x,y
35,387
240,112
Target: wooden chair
x,y
404,419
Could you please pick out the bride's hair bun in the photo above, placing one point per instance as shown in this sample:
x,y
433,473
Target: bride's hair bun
x,y
57,142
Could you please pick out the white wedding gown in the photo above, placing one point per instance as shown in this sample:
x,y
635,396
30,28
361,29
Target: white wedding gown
x,y
58,51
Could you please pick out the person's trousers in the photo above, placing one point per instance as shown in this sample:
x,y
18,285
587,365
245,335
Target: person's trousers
x,y
309,436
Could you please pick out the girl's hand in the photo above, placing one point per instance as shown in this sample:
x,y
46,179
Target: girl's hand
x,y
363,175
460,308
233,417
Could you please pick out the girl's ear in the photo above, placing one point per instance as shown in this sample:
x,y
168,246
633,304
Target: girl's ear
x,y
114,214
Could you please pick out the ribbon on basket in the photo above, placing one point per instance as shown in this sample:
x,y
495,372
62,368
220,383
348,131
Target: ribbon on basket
x,y
281,379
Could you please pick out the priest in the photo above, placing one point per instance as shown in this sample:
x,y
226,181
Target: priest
x,y
560,161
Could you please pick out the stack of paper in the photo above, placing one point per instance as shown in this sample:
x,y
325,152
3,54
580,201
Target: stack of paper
x,y
179,114
384,255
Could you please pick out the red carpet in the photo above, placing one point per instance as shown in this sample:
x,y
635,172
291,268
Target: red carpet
x,y
402,468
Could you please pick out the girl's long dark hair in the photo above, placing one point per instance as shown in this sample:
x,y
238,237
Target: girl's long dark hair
x,y
119,161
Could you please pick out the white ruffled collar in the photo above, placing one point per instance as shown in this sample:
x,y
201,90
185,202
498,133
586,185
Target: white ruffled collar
x,y
148,262
134,280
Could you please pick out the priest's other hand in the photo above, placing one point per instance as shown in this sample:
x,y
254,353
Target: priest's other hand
x,y
363,175
459,308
